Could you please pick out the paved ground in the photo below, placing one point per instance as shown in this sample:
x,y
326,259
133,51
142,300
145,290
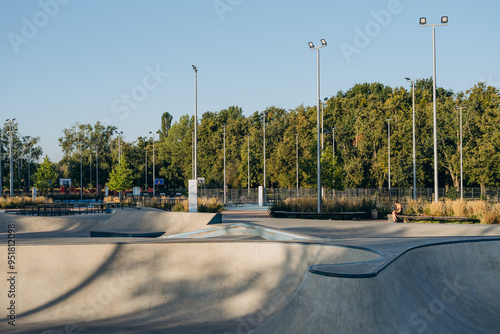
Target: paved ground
x,y
349,277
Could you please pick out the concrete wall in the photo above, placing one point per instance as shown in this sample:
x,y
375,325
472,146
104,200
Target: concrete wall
x,y
451,288
161,282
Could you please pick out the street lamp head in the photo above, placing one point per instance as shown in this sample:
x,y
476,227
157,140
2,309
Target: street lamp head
x,y
407,79
311,45
323,42
444,19
326,99
423,20
194,68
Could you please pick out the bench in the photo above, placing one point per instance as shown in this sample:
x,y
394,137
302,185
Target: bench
x,y
402,218
321,215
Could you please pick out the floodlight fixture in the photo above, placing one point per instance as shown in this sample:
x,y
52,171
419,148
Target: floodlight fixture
x,y
311,45
423,20
323,42
444,19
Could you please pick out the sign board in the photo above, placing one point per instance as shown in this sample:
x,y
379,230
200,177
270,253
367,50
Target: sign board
x,y
34,193
106,191
201,180
64,182
136,191
193,196
158,181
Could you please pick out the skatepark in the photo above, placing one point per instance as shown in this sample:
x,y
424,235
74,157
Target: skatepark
x,y
151,271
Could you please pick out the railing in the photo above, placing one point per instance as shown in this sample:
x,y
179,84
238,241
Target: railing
x,y
60,210
245,196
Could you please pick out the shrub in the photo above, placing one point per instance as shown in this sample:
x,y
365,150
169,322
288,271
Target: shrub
x,y
21,202
210,205
303,204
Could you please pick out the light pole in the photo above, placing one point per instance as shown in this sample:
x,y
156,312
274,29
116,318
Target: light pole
x,y
96,172
264,151
248,167
389,149
312,47
192,154
29,173
322,124
297,160
195,122
333,145
119,144
154,174
225,196
145,166
1,177
11,158
81,171
444,21
461,158
414,154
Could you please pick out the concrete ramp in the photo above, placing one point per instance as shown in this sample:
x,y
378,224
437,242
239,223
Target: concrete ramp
x,y
146,219
448,288
159,287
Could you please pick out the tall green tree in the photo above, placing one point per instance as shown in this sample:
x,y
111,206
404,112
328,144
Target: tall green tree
x,y
46,176
120,178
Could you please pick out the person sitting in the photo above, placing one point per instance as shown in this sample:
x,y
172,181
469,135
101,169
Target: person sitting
x,y
398,211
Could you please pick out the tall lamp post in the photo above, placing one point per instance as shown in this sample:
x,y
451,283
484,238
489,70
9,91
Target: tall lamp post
x,y
225,196
248,167
154,174
461,158
81,171
312,47
389,150
323,123
10,121
264,152
195,122
97,172
444,21
119,133
414,154
297,160
333,144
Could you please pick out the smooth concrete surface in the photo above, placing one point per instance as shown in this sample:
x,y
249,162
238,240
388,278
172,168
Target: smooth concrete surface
x,y
98,286
451,288
349,277
146,219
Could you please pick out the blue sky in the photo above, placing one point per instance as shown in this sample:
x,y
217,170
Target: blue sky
x,y
125,62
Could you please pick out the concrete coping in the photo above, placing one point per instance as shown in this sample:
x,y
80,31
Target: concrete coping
x,y
372,268
240,229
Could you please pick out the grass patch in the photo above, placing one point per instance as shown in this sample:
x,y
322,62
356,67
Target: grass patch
x,y
330,205
479,211
204,205
22,201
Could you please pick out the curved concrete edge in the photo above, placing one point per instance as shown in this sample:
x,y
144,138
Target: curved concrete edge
x,y
372,268
432,289
161,283
145,220
241,229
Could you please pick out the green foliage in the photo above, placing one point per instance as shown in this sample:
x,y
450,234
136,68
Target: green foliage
x,y
120,178
359,157
46,176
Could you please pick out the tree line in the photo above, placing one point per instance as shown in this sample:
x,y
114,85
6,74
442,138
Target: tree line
x,y
354,143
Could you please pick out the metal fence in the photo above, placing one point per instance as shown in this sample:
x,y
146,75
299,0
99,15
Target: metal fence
x,y
245,196
59,210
